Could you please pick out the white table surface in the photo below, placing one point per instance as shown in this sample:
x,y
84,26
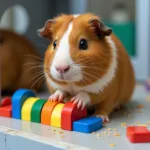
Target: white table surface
x,y
69,140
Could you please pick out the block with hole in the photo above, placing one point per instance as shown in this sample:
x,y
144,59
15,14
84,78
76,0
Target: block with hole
x,y
6,107
18,99
47,112
56,115
27,107
71,113
36,110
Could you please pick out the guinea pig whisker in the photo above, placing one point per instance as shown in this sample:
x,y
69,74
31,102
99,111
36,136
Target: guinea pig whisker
x,y
82,59
74,74
92,67
30,64
38,73
85,81
85,61
89,67
35,76
87,78
37,81
34,57
40,83
90,75
34,68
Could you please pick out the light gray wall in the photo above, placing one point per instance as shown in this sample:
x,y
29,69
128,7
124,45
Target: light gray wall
x,y
105,7
39,11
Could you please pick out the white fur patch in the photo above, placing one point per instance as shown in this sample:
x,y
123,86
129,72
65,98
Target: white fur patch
x,y
63,55
97,86
76,15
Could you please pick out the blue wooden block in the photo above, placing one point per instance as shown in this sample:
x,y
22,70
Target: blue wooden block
x,y
87,125
18,99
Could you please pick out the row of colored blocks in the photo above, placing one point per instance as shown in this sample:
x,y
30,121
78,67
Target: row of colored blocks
x,y
27,107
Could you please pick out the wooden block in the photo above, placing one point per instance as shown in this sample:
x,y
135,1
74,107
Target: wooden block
x,y
138,134
70,113
5,101
27,107
6,107
88,124
18,99
56,115
47,112
36,110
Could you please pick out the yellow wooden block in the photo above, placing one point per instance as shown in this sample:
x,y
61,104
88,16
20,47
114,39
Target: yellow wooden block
x,y
27,107
56,115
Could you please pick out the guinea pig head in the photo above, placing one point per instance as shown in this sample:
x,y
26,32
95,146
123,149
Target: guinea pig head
x,y
79,52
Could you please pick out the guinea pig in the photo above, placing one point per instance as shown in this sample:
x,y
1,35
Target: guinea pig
x,y
86,61
20,62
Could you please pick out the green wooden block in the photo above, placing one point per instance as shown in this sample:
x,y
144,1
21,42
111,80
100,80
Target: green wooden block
x,y
36,110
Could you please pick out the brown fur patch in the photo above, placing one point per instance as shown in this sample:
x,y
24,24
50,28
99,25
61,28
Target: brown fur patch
x,y
20,62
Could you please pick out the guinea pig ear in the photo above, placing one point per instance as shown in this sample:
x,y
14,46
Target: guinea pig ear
x,y
99,28
46,30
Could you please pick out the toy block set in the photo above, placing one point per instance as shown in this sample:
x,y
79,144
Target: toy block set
x,y
26,106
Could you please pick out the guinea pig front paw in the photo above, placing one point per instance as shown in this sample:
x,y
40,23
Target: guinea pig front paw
x,y
81,100
104,118
59,95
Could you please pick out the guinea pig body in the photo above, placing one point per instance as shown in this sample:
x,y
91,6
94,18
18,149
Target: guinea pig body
x,y
87,62
19,62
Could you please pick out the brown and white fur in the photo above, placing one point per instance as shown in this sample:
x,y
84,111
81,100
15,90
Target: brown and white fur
x,y
101,75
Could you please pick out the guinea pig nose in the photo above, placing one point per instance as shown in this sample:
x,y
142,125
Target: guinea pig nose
x,y
62,68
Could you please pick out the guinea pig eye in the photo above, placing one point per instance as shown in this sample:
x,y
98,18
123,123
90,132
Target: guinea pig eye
x,y
54,44
83,45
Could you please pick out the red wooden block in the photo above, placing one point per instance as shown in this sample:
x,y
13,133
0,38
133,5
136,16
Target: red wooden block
x,y
5,101
138,134
6,107
69,114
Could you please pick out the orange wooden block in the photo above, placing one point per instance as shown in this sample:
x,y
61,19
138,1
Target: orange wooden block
x,y
47,111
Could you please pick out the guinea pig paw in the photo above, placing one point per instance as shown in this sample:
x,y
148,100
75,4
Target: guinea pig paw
x,y
104,118
78,102
58,96
81,100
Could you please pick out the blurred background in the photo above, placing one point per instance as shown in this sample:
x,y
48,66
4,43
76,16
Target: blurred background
x,y
129,19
